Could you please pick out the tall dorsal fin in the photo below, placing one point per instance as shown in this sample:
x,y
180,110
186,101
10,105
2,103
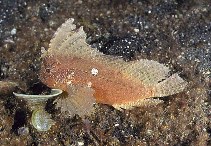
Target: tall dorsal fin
x,y
63,32
147,71
150,73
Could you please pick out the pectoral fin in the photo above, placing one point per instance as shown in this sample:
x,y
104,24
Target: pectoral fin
x,y
79,100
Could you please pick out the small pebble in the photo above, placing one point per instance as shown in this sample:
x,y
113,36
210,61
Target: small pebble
x,y
136,30
80,143
13,31
23,131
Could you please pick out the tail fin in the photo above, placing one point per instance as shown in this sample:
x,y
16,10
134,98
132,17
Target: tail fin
x,y
173,84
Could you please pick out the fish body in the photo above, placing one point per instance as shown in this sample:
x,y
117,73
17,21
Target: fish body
x,y
111,86
70,61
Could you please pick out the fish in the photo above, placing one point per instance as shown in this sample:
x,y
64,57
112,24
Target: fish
x,y
88,76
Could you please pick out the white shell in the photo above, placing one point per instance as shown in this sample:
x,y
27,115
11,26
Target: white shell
x,y
39,98
41,120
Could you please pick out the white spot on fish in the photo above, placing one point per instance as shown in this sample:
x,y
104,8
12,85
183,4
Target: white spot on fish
x,y
94,71
89,84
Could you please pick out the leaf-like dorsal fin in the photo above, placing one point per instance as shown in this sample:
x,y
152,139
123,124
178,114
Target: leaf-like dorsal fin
x,y
71,41
154,74
75,45
63,32
149,72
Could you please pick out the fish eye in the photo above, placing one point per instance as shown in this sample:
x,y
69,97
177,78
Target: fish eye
x,y
48,70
